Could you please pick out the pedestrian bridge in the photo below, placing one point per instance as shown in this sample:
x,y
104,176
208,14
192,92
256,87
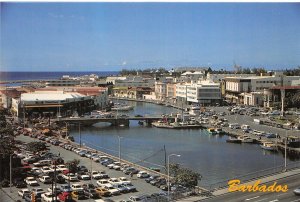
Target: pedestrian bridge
x,y
114,121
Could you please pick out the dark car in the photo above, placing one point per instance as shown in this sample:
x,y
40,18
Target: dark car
x,y
91,193
60,179
5,183
152,177
19,183
82,168
88,186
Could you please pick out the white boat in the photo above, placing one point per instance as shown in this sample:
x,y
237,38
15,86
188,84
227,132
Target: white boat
x,y
121,107
194,111
269,146
245,139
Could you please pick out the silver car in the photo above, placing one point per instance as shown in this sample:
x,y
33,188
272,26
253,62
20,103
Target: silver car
x,y
297,191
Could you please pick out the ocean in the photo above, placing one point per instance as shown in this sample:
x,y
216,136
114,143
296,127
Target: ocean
x,y
13,76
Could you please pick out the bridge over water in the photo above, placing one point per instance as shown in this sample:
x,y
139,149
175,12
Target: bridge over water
x,y
114,121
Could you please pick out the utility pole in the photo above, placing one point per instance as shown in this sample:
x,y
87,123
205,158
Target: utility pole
x,y
285,146
79,135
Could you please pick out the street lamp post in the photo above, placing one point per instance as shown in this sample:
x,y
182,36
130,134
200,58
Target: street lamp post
x,y
10,172
119,137
169,173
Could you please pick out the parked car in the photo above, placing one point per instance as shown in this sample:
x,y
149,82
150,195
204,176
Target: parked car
x,y
31,181
143,174
102,191
297,191
23,192
91,193
65,188
78,195
48,197
76,187
45,179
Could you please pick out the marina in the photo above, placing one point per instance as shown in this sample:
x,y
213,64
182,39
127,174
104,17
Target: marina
x,y
139,142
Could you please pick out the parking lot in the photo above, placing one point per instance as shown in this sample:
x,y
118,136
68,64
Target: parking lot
x,y
140,184
248,120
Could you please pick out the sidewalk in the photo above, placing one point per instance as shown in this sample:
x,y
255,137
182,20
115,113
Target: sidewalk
x,y
220,192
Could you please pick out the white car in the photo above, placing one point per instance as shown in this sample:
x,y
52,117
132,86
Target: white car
x,y
114,181
46,169
112,189
77,187
111,166
23,192
85,177
48,197
142,174
45,179
102,183
117,167
124,180
96,175
70,176
31,181
61,167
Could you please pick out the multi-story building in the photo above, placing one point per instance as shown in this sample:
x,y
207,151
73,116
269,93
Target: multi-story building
x,y
236,86
171,91
135,81
132,92
181,92
193,76
161,90
204,93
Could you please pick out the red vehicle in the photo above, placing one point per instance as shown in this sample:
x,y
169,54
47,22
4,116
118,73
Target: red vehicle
x,y
65,196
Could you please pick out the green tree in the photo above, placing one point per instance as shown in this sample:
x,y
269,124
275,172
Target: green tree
x,y
73,165
184,176
292,99
36,147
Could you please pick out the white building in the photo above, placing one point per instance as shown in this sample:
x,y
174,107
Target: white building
x,y
181,92
193,76
204,92
135,81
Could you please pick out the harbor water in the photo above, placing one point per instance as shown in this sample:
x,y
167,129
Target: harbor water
x,y
206,154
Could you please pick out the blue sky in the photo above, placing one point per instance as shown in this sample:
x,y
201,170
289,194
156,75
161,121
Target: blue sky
x,y
112,36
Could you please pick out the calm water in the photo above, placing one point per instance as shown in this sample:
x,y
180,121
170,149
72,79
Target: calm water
x,y
209,155
11,76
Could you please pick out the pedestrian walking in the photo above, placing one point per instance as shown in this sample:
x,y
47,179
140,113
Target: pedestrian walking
x,y
131,174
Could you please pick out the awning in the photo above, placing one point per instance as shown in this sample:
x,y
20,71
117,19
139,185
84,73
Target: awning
x,y
36,106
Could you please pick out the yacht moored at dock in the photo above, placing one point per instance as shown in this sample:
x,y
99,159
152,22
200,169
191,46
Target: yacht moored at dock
x,y
233,140
245,139
268,146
